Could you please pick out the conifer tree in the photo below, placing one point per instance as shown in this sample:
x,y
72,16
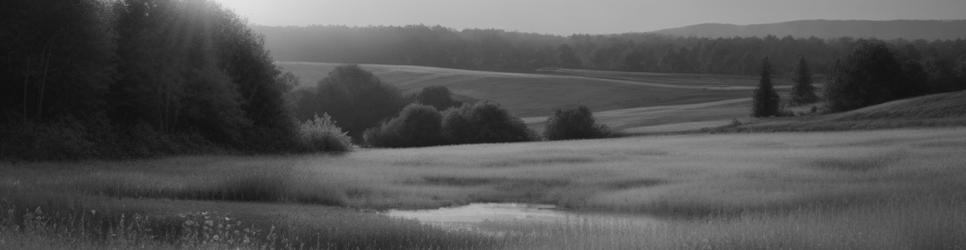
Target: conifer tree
x,y
803,92
766,99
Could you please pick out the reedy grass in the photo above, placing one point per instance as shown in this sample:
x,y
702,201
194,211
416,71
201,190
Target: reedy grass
x,y
889,189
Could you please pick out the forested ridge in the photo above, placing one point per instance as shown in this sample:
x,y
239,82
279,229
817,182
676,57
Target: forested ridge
x,y
831,29
132,78
489,49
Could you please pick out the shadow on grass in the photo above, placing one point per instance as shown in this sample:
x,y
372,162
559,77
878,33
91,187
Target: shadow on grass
x,y
245,188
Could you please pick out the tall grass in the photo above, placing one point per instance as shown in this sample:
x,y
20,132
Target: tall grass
x,y
901,189
52,221
72,226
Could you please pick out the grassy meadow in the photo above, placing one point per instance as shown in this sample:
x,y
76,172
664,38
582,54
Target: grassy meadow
x,y
884,189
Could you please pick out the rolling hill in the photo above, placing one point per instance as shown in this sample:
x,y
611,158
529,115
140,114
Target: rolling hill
x,y
826,29
536,95
946,109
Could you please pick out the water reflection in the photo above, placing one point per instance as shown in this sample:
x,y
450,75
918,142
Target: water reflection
x,y
502,218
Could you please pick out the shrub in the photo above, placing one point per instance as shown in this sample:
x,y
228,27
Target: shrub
x,y
66,139
277,186
483,123
574,123
416,126
321,134
437,96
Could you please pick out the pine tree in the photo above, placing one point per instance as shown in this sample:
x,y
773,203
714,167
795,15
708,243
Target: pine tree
x,y
766,99
803,92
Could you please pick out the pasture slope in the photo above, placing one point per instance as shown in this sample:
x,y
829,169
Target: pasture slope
x,y
883,189
938,110
674,80
536,95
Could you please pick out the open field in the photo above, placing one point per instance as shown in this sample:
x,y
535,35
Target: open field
x,y
885,189
665,119
708,81
527,95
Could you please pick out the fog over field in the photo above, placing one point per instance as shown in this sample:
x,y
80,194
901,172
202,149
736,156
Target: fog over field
x,y
471,124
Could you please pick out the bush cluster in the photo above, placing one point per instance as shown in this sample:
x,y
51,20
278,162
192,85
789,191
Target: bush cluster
x,y
574,123
419,125
321,134
437,96
416,126
483,122
354,97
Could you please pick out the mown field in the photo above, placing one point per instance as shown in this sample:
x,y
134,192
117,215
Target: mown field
x,y
884,189
530,95
708,81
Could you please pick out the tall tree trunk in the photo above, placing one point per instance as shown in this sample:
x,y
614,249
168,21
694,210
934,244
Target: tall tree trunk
x,y
43,85
26,84
160,109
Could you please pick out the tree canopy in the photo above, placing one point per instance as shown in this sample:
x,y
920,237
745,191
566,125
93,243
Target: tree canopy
x,y
574,123
136,77
355,98
870,75
438,97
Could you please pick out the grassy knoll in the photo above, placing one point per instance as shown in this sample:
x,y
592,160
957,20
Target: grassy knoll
x,y
530,94
938,110
884,189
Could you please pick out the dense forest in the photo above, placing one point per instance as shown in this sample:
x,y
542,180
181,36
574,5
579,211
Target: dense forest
x,y
487,49
831,29
89,78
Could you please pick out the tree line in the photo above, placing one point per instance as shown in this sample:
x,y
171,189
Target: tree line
x,y
872,73
128,78
488,49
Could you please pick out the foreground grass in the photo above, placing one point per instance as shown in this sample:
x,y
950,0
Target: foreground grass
x,y
887,189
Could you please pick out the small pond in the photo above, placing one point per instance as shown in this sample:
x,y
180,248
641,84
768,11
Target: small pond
x,y
503,218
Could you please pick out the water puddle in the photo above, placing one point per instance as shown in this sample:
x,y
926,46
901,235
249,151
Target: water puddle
x,y
499,219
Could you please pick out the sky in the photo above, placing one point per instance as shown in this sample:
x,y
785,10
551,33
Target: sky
x,y
567,17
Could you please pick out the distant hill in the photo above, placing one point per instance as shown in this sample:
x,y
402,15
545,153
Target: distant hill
x,y
905,29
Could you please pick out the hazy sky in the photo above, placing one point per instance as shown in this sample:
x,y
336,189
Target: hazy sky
x,y
582,16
